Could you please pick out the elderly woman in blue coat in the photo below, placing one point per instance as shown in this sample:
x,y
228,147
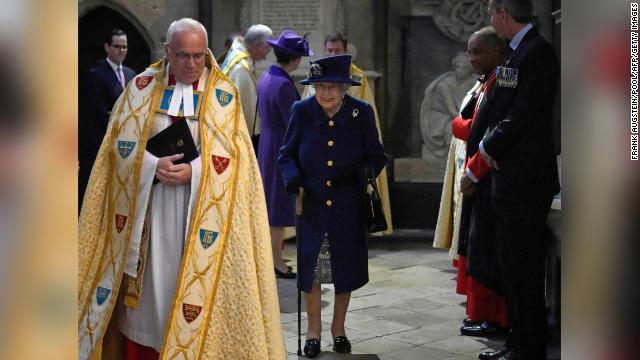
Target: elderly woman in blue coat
x,y
276,94
331,139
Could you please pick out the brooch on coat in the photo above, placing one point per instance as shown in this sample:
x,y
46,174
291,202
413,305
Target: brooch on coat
x,y
354,113
315,70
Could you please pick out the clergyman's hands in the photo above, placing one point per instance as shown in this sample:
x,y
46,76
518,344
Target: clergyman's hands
x,y
170,174
467,187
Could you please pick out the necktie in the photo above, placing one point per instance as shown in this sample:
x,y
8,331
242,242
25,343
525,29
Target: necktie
x,y
121,76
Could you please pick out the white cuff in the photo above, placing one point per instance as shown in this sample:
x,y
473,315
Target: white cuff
x,y
471,176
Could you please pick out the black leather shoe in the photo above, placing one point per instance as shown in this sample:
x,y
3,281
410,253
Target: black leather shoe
x,y
311,348
469,322
341,344
483,329
490,355
285,275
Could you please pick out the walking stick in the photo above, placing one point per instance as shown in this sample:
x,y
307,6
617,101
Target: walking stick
x,y
299,260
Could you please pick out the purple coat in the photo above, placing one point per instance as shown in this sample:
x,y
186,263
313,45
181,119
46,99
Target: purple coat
x,y
276,95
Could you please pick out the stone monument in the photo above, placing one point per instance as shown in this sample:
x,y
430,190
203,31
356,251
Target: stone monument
x,y
436,31
441,103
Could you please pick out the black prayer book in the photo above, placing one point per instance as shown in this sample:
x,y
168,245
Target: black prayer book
x,y
175,139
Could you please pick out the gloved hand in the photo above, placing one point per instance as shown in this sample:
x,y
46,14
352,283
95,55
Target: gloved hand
x,y
293,186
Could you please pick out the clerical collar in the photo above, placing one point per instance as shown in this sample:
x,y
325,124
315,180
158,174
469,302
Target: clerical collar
x,y
182,93
515,42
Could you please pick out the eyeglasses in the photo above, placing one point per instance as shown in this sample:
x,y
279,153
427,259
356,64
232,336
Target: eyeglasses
x,y
119,47
184,56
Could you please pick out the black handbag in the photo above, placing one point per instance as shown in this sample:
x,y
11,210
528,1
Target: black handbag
x,y
255,138
376,221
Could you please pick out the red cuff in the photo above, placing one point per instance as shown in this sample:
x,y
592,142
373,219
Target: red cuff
x,y
461,128
478,166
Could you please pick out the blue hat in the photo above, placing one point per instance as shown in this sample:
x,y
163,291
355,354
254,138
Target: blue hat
x,y
291,43
330,69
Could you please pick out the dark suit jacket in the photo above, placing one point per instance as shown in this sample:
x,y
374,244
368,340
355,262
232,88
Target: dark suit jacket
x,y
103,89
520,126
100,91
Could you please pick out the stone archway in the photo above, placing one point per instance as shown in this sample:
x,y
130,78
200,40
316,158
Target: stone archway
x,y
94,25
96,21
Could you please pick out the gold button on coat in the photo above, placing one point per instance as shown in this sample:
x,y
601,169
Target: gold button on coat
x,y
329,183
329,203
330,143
330,163
331,122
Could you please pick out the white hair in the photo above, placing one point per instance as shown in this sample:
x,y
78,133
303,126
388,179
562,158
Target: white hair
x,y
257,34
186,24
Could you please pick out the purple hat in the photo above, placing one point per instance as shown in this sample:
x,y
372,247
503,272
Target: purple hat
x,y
291,43
330,69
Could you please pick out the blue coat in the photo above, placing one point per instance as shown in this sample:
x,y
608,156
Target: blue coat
x,y
276,95
327,158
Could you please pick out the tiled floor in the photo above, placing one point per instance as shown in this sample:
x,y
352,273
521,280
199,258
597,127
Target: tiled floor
x,y
408,310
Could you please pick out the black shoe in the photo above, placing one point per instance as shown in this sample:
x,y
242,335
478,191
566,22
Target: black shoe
x,y
483,329
285,275
490,355
469,322
341,344
311,348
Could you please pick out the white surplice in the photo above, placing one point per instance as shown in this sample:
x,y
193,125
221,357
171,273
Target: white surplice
x,y
171,207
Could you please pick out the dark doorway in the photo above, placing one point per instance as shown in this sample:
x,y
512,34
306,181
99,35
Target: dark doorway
x,y
93,29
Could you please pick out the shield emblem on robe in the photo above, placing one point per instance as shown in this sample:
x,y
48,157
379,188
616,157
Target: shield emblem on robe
x,y
102,294
120,221
190,312
207,237
224,97
143,81
125,148
220,163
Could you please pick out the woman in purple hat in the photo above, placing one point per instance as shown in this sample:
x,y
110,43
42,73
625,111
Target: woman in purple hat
x,y
331,140
276,93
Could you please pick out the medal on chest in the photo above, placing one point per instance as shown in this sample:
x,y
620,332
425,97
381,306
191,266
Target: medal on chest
x,y
506,77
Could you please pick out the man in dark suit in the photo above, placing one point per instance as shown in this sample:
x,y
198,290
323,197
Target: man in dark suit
x,y
519,146
105,83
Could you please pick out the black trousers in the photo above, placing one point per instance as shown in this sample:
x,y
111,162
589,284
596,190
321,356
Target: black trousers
x,y
523,236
